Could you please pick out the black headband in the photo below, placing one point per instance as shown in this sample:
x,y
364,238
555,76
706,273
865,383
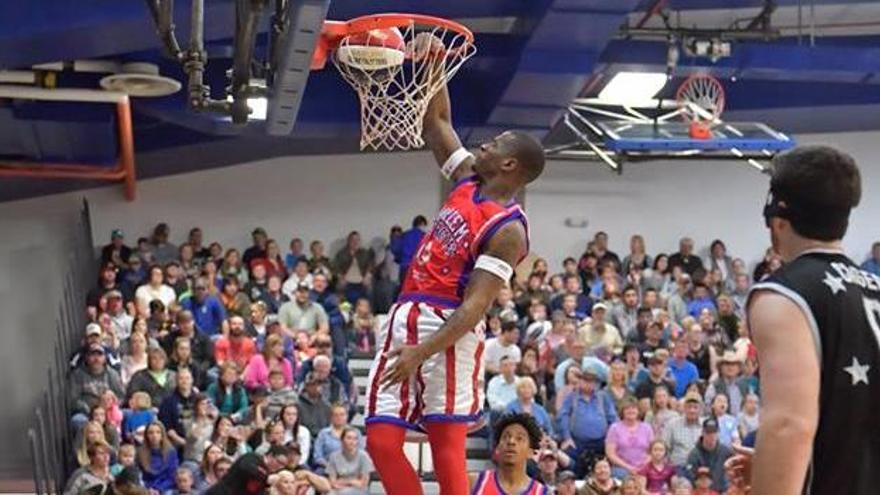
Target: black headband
x,y
809,220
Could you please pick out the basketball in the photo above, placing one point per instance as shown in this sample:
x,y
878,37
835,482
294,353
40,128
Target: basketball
x,y
372,50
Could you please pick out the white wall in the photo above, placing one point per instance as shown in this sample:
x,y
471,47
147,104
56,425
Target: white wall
x,y
312,197
666,200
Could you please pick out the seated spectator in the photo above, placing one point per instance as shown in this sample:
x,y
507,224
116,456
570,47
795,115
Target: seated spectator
x,y
236,347
204,475
600,481
749,416
313,408
683,371
201,349
258,282
709,453
339,366
126,459
530,367
227,393
303,314
181,358
701,300
280,393
258,248
573,377
94,335
658,375
703,483
155,288
683,433
274,262
201,427
136,358
256,374
872,264
271,435
189,262
94,476
272,296
228,437
300,276
255,326
599,332
729,382
625,316
353,268
570,309
658,472
575,351
297,253
503,345
159,320
631,485
572,287
120,321
156,380
685,257
303,480
232,266
661,413
111,432
501,390
183,483
116,252
330,438
157,459
235,302
178,409
175,278
110,404
677,301
653,340
332,389
91,433
628,441
349,467
525,403
207,310
318,262
728,434
328,300
89,383
535,325
362,327
296,432
273,327
137,417
584,420
560,328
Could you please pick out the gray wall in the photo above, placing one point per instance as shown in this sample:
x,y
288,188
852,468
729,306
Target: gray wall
x,y
36,238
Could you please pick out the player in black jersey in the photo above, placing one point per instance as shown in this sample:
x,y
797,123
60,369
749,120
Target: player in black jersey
x,y
815,325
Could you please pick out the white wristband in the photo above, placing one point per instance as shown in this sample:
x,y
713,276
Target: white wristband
x,y
495,266
454,161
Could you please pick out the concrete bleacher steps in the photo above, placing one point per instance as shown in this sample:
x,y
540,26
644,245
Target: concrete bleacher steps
x,y
419,454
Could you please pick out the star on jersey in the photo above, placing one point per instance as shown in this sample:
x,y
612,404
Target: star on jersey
x,y
834,283
858,371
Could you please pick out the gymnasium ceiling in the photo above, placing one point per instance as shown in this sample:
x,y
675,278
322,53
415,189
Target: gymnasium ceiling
x,y
819,75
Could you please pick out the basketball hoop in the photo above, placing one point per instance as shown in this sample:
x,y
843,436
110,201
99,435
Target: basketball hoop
x,y
701,97
396,63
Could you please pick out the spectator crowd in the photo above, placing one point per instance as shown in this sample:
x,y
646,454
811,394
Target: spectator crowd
x,y
200,363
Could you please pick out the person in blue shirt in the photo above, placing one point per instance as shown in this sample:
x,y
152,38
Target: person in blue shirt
x,y
207,310
702,300
576,349
573,286
405,246
157,459
525,403
684,371
584,420
872,264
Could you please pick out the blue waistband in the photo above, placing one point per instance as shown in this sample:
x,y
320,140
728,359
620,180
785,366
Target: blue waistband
x,y
439,301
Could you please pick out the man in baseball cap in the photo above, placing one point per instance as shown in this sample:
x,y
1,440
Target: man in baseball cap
x,y
710,454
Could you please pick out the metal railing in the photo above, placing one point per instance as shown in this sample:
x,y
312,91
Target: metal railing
x,y
50,438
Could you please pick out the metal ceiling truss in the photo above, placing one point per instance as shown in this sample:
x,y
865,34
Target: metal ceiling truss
x,y
587,119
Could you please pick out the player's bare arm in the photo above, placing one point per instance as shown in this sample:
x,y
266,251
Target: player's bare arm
x,y
441,136
507,244
790,393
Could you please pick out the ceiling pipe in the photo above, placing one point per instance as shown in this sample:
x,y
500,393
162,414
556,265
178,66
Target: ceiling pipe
x,y
247,18
123,171
162,12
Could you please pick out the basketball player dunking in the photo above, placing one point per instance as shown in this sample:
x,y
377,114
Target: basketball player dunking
x,y
428,374
816,325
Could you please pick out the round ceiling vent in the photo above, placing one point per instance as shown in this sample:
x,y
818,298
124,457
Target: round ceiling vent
x,y
140,79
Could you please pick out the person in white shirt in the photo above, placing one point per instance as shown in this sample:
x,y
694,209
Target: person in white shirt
x,y
154,289
300,276
503,345
502,387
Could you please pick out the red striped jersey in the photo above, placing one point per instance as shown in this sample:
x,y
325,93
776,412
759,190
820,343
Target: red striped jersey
x,y
442,266
487,484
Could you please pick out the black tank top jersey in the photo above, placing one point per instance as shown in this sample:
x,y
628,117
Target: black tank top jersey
x,y
842,304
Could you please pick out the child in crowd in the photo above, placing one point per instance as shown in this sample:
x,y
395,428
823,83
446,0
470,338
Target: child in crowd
x,y
110,403
749,416
125,458
362,335
136,419
658,472
183,483
279,394
703,483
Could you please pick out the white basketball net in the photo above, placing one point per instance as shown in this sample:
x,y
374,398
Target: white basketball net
x,y
393,101
702,98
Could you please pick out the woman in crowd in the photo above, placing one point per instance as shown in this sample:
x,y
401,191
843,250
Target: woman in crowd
x,y
157,381
91,433
528,366
136,358
600,481
95,473
637,258
525,403
273,297
265,439
661,413
200,429
159,321
234,300
272,358
255,326
329,439
227,393
228,438
211,272
628,440
218,470
274,261
573,377
232,266
111,433
362,327
188,266
617,387
215,253
728,426
181,357
349,467
719,260
319,262
294,431
204,475
157,459
155,288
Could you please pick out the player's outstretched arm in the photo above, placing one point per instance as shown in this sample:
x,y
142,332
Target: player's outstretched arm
x,y
441,136
507,245
789,394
